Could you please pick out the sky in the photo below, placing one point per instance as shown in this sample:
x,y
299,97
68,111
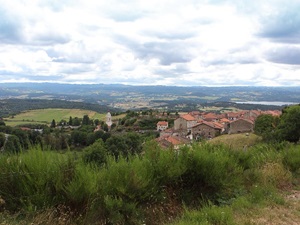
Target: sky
x,y
157,42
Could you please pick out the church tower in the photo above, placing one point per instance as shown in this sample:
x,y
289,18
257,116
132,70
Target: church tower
x,y
108,120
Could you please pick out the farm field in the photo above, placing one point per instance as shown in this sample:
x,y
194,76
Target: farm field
x,y
45,116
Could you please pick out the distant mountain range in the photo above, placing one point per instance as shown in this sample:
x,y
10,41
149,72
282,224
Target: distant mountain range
x,y
140,97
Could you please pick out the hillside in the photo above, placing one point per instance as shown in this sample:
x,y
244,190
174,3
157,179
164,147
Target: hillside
x,y
237,141
15,106
47,115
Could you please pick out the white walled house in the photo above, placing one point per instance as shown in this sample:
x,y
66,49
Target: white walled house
x,y
162,125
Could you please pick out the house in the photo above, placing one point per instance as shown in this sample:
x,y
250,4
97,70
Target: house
x,y
240,126
210,117
185,122
172,141
162,125
206,130
233,115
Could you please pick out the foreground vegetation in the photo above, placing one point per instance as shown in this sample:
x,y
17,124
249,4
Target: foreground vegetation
x,y
201,184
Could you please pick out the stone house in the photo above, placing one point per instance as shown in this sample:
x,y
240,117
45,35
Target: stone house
x,y
172,141
240,126
206,130
185,122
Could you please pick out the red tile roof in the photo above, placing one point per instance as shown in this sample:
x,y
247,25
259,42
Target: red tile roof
x,y
162,123
224,120
188,117
250,121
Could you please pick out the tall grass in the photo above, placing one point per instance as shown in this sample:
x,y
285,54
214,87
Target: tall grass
x,y
33,180
151,188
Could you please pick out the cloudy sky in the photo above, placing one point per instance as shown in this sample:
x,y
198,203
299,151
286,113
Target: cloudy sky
x,y
157,42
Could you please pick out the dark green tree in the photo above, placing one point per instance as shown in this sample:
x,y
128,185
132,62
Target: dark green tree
x,y
23,137
2,123
85,120
117,146
12,144
76,121
78,137
265,126
95,153
91,138
70,121
53,124
289,125
2,139
96,122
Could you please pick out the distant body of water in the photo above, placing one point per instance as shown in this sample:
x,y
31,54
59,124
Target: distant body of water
x,y
268,103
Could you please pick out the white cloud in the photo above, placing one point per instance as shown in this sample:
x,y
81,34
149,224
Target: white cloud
x,y
190,42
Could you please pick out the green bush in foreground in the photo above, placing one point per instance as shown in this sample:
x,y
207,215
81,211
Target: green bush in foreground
x,y
136,189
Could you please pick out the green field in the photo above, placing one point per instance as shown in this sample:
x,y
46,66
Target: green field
x,y
45,116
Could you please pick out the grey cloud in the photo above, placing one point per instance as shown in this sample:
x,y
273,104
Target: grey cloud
x,y
167,53
10,29
49,39
283,26
79,54
233,60
7,75
284,55
178,71
76,69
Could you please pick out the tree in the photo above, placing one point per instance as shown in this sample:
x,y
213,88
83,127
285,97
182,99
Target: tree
x,y
12,144
289,125
85,120
96,122
95,153
2,123
76,121
70,121
53,124
90,139
125,145
116,146
23,137
78,137
2,139
265,126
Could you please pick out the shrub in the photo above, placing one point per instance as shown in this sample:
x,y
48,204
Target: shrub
x,y
32,180
212,171
291,159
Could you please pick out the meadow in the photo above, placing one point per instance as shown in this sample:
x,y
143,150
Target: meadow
x,y
45,116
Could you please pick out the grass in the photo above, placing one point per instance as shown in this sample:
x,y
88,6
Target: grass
x,y
202,184
237,141
45,116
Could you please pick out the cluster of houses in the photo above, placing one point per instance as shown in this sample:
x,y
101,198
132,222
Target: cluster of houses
x,y
197,125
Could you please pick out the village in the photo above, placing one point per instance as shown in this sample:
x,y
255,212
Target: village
x,y
196,126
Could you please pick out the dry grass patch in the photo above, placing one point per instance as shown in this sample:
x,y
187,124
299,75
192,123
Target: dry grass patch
x,y
237,141
287,213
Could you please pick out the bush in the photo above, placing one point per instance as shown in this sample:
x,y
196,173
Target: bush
x,y
95,153
33,180
212,172
291,159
